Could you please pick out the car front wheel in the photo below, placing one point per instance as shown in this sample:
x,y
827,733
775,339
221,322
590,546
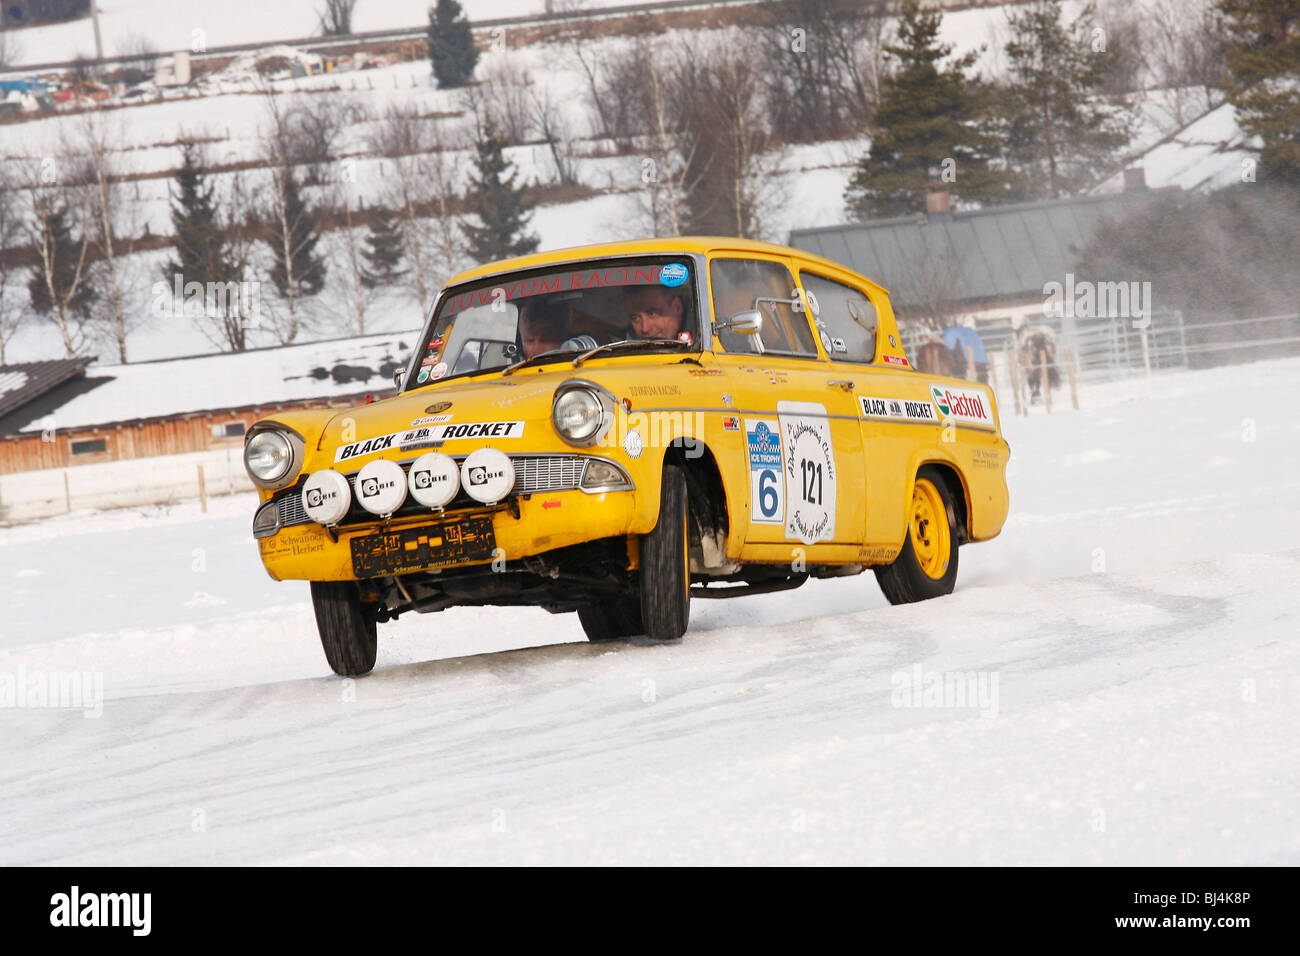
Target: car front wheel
x,y
927,566
611,620
665,564
348,628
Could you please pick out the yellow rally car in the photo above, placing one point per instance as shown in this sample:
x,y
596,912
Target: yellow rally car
x,y
617,429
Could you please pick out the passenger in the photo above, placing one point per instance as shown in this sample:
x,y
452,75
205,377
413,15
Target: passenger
x,y
543,326
653,313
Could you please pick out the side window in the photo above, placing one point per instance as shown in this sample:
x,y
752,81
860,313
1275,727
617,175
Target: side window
x,y
845,318
743,284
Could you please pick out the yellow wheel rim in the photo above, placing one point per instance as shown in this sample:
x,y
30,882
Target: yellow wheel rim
x,y
928,526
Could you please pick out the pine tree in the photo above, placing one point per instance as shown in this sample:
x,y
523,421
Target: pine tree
x,y
197,234
1263,50
1058,131
292,236
926,126
69,272
499,205
382,251
451,45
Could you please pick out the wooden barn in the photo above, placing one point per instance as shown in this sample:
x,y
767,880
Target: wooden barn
x,y
66,412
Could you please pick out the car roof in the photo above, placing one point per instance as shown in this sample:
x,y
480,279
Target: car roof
x,y
671,245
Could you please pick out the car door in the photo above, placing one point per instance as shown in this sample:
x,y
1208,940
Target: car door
x,y
802,439
887,403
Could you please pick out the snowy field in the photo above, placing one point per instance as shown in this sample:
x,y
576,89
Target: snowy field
x,y
1134,631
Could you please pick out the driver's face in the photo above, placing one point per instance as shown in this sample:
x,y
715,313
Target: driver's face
x,y
539,337
653,314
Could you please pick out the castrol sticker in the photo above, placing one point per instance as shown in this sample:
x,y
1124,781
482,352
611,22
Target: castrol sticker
x,y
966,405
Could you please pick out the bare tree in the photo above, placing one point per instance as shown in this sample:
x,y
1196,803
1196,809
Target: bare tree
x,y
336,17
548,118
289,222
663,200
11,49
505,99
61,284
730,177
241,227
143,53
420,186
11,236
111,221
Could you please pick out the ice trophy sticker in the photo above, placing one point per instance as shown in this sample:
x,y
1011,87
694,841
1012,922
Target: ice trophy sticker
x,y
766,477
809,471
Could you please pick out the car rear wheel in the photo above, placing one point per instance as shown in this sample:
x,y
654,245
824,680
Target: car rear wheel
x,y
348,628
665,564
611,620
927,566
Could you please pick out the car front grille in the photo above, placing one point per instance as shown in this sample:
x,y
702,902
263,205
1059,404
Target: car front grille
x,y
534,474
538,473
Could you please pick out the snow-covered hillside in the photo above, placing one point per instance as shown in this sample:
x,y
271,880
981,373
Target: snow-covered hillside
x,y
1134,628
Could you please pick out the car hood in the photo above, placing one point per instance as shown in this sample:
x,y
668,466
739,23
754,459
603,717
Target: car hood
x,y
512,413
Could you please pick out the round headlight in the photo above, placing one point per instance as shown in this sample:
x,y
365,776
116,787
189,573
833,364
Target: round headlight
x,y
268,456
578,415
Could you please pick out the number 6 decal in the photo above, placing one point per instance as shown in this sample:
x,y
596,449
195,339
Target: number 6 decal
x,y
766,474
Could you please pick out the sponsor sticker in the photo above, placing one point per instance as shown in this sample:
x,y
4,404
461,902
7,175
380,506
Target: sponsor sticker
x,y
809,471
894,360
426,435
430,420
423,376
766,474
898,409
673,274
447,432
368,447
967,405
730,423
439,370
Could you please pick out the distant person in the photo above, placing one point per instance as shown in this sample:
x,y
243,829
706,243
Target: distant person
x,y
653,313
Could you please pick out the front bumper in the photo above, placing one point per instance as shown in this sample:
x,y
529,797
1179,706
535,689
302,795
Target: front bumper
x,y
546,521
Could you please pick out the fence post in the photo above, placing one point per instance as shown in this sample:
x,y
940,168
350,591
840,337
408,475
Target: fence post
x,y
1014,374
1044,381
1146,354
203,490
1072,369
67,493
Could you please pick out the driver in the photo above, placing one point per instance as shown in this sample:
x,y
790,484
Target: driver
x,y
653,313
543,326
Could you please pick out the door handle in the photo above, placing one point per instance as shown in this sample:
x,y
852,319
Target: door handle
x,y
842,383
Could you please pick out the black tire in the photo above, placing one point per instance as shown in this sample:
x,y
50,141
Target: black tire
x,y
665,564
611,620
348,628
905,581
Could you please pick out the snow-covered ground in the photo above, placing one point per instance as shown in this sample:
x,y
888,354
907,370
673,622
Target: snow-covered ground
x,y
1133,633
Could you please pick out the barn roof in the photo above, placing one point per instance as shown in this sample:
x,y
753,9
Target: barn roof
x,y
979,255
94,395
26,382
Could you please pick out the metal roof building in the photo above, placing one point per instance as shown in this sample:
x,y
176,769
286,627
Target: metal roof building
x,y
971,259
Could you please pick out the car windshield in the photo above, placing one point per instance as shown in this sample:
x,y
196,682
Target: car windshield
x,y
512,318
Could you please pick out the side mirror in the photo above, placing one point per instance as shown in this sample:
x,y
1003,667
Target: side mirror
x,y
398,376
749,322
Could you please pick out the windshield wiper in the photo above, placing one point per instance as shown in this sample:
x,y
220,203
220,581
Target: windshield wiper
x,y
629,344
548,356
